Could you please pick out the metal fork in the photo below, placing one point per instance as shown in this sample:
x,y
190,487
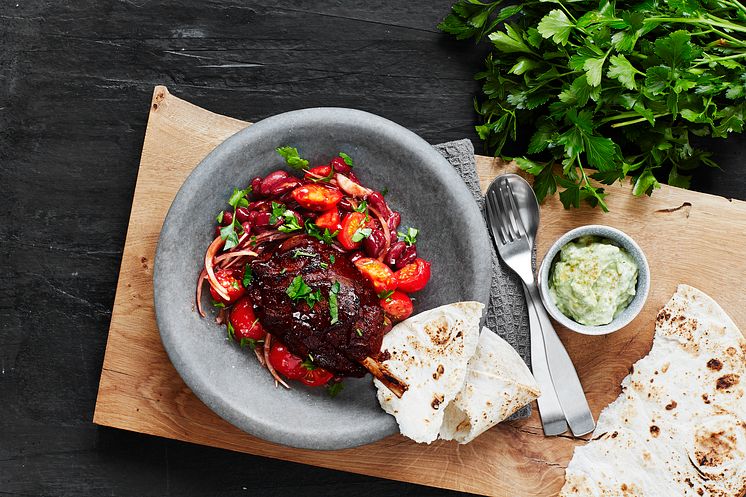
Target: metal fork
x,y
514,248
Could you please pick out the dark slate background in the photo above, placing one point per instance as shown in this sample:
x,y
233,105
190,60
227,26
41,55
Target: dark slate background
x,y
75,84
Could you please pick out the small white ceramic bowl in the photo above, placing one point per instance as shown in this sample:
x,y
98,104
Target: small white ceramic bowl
x,y
618,238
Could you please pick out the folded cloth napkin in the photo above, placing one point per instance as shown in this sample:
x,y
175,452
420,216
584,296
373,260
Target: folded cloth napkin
x,y
506,312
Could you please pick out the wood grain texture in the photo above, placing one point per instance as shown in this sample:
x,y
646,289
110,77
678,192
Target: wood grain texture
x,y
141,391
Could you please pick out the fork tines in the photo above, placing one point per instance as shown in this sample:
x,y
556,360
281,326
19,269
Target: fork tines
x,y
503,212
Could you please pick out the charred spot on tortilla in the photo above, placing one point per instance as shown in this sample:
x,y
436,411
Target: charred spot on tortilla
x,y
715,364
437,400
727,381
438,372
671,405
706,398
655,431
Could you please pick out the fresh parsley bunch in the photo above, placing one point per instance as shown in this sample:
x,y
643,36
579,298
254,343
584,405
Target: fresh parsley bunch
x,y
608,89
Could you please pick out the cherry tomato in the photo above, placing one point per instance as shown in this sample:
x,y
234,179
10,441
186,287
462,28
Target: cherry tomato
x,y
316,377
317,197
318,172
398,306
378,273
329,220
413,277
244,321
352,222
285,362
291,366
230,280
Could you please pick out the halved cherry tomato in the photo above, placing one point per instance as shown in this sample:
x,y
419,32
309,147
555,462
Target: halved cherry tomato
x,y
352,222
378,273
244,321
317,197
316,377
398,306
329,220
291,366
230,280
285,362
318,172
413,277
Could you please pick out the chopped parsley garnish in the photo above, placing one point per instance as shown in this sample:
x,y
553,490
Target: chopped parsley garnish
x,y
385,191
410,237
235,285
248,276
360,234
290,224
359,332
334,389
323,265
299,290
283,270
299,253
333,307
362,207
277,210
219,218
290,154
252,343
230,233
308,363
326,178
231,331
332,258
325,236
219,304
346,158
386,295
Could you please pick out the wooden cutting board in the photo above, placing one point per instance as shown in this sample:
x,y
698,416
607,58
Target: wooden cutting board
x,y
688,237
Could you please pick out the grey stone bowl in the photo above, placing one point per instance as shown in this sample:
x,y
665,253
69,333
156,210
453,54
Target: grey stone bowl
x,y
620,239
422,185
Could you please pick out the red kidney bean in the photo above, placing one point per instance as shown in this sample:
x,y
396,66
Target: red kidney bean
x,y
352,176
252,216
260,206
345,204
340,166
393,221
262,219
394,253
217,230
271,180
256,185
242,214
376,201
284,187
246,227
407,257
374,243
227,218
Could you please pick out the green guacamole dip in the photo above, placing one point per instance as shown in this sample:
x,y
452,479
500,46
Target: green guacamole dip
x,y
592,280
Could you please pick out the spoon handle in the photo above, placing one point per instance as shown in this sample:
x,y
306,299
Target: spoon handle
x,y
562,371
551,415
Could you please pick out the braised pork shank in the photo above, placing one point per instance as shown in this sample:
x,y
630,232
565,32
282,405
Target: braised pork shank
x,y
308,330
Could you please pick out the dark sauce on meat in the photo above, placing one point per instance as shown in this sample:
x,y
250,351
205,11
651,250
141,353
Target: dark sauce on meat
x,y
340,347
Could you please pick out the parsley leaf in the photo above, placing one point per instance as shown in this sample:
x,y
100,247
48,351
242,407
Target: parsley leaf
x,y
248,276
360,234
290,154
308,363
333,306
410,237
334,389
300,253
386,295
346,158
231,331
299,290
325,236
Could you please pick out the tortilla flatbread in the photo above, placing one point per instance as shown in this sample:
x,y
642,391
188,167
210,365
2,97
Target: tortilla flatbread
x,y
498,383
429,352
679,426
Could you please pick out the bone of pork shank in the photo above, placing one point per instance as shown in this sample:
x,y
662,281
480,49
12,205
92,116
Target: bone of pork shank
x,y
338,348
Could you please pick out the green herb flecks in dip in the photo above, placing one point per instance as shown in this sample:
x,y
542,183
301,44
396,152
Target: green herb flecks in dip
x,y
593,280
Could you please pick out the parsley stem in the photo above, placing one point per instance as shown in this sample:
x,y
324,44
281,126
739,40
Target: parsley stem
x,y
716,59
709,20
635,121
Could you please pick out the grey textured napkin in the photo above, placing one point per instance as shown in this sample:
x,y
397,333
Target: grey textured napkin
x,y
506,314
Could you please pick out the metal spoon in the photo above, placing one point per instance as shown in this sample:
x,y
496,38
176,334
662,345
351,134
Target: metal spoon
x,y
550,412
